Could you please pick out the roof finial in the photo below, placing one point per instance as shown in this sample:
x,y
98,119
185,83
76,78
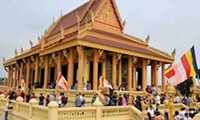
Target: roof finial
x,y
31,43
147,39
39,39
4,60
16,53
22,50
124,23
45,33
173,53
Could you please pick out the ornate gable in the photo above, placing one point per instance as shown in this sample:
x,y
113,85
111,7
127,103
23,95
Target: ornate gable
x,y
107,17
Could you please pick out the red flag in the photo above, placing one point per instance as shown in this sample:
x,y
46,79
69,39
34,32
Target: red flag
x,y
62,81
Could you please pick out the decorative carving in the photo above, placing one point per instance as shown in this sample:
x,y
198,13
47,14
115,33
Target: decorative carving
x,y
108,16
147,39
100,53
159,64
24,60
119,55
31,43
4,60
62,32
135,60
79,49
148,61
173,53
32,59
65,53
53,55
42,59
16,53
22,50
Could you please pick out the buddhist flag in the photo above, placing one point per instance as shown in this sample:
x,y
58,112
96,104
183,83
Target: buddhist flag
x,y
104,83
62,81
184,69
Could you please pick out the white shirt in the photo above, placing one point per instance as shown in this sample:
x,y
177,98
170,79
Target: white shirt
x,y
158,99
182,114
151,111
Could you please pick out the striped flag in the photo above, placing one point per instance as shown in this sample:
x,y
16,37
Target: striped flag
x,y
62,81
104,83
184,69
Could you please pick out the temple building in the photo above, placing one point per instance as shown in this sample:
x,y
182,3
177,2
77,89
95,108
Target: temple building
x,y
84,44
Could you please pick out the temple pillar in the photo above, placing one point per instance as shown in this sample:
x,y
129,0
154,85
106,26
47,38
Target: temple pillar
x,y
58,66
120,72
134,77
8,80
80,50
28,70
70,71
130,73
46,71
15,80
163,76
21,72
154,73
36,76
11,76
104,68
144,74
114,69
95,68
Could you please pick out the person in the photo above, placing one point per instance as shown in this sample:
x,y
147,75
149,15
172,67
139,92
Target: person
x,y
47,100
177,116
78,100
83,100
88,85
41,99
7,109
158,116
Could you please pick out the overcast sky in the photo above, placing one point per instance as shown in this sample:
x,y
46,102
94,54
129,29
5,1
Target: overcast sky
x,y
170,23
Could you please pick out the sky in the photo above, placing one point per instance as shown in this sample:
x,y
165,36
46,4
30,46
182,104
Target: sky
x,y
171,24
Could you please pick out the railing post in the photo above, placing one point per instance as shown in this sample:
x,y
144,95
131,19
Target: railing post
x,y
32,102
53,110
98,106
18,100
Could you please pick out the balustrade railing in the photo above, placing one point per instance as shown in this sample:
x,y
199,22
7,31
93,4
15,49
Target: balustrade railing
x,y
88,113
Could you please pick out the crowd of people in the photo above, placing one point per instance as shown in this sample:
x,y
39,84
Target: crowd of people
x,y
149,103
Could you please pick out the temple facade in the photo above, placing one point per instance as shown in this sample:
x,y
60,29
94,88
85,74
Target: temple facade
x,y
84,44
